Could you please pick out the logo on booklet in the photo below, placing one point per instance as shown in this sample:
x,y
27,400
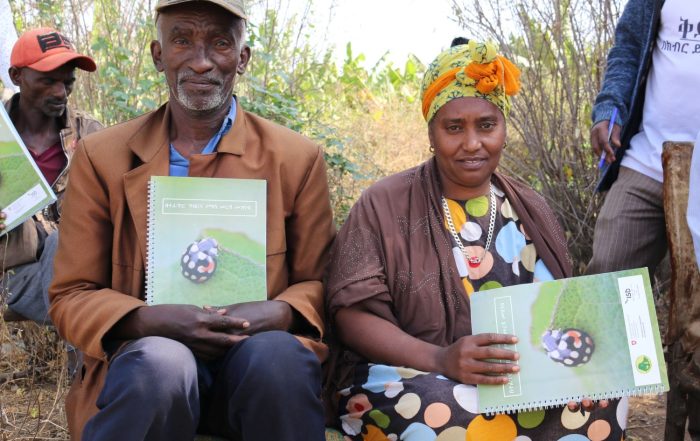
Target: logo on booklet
x,y
643,364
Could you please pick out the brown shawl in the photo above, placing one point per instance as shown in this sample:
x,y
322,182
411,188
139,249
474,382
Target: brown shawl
x,y
394,256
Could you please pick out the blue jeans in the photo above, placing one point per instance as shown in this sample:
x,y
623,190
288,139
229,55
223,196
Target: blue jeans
x,y
265,388
28,285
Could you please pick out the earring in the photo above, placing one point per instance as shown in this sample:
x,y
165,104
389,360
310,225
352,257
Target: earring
x,y
505,144
431,149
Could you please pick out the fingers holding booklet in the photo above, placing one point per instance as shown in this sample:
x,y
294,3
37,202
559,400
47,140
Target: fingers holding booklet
x,y
587,404
477,359
583,339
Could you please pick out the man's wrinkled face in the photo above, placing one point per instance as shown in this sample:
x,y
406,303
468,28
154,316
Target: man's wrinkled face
x,y
46,91
200,50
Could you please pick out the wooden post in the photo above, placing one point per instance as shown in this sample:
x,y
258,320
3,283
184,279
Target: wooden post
x,y
683,335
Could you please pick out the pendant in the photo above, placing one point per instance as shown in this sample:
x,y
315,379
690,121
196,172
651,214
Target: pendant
x,y
474,261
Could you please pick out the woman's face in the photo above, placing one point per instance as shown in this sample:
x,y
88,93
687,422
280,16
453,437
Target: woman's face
x,y
468,136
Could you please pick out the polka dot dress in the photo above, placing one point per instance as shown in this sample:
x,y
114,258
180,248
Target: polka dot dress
x,y
393,403
511,258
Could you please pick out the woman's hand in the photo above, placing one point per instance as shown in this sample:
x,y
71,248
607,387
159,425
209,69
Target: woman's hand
x,y
587,404
472,359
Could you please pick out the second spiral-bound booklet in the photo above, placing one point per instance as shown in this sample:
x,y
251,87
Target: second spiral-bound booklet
x,y
23,188
206,241
590,336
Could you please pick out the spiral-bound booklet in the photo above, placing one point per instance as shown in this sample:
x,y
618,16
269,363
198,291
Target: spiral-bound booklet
x,y
590,336
206,241
23,189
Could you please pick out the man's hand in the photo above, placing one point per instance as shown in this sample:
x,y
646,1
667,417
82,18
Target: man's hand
x,y
3,216
469,359
208,333
265,315
599,140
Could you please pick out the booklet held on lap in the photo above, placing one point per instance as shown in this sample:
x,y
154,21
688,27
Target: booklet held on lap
x,y
584,337
206,241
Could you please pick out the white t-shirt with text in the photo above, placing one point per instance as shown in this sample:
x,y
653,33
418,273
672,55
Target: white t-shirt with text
x,y
672,101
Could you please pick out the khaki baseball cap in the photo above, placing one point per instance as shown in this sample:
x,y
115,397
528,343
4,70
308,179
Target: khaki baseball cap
x,y
233,6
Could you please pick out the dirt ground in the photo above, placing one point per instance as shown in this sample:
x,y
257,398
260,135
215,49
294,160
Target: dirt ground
x,y
32,412
32,409
33,383
647,418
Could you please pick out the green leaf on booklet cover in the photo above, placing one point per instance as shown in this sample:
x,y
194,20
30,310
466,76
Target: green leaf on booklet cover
x,y
17,174
589,304
239,276
240,243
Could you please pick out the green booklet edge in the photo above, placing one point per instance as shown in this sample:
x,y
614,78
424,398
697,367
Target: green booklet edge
x,y
50,195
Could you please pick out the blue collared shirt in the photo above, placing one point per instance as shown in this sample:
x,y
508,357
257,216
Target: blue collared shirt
x,y
179,165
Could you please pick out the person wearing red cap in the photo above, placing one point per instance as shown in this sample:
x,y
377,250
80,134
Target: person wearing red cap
x,y
249,371
43,65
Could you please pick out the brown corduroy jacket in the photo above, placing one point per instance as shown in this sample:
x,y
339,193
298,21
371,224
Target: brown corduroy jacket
x,y
99,269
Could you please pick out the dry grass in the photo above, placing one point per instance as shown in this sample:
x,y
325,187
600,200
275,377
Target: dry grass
x,y
380,138
33,383
393,138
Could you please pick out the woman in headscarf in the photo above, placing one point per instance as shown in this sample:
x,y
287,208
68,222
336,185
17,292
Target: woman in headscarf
x,y
416,246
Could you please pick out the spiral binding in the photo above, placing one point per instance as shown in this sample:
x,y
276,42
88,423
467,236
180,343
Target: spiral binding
x,y
558,402
150,241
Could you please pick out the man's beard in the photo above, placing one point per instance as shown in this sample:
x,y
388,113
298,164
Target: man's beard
x,y
54,113
201,102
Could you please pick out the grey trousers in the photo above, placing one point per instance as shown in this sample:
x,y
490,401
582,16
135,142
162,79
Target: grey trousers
x,y
631,229
266,388
28,285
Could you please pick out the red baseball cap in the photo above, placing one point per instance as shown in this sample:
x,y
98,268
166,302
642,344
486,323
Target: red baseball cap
x,y
46,49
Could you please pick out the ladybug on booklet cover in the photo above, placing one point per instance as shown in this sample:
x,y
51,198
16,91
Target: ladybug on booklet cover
x,y
570,347
198,262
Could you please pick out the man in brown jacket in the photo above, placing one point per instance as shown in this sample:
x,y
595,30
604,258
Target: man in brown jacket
x,y
249,371
42,64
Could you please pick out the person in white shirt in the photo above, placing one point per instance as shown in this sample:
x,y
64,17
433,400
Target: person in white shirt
x,y
650,93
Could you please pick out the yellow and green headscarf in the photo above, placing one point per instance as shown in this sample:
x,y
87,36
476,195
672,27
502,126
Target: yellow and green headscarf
x,y
469,70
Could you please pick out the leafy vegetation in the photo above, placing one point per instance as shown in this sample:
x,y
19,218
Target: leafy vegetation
x,y
366,119
561,47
